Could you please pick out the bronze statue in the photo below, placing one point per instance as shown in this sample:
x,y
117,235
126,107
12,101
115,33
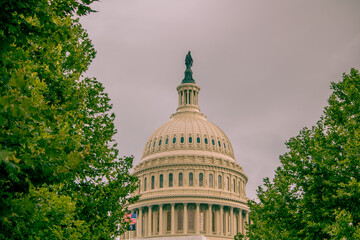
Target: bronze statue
x,y
188,60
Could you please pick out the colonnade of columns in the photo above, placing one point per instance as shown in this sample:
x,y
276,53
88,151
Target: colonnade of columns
x,y
188,95
188,218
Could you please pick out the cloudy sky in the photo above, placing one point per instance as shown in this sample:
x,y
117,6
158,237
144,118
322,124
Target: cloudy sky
x,y
264,67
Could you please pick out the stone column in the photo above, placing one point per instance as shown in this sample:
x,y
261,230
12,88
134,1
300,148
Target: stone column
x,y
132,233
154,222
210,219
197,219
221,218
191,97
139,222
172,218
161,222
241,222
226,223
232,222
149,221
185,219
246,219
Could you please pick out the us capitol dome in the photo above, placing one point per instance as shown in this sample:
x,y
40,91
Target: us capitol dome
x,y
190,184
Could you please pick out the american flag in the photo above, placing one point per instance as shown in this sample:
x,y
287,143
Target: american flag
x,y
131,217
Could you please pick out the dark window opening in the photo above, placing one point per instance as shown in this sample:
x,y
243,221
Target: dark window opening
x,y
161,181
211,180
191,179
180,179
170,180
201,179
198,140
190,139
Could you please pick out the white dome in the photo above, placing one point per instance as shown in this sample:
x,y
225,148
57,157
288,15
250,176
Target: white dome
x,y
189,181
188,131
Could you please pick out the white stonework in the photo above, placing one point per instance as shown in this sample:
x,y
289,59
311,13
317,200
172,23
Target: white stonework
x,y
191,186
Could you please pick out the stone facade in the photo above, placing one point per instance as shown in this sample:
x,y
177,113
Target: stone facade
x,y
190,182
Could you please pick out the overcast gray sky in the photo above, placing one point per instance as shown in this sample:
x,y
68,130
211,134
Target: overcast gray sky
x,y
264,67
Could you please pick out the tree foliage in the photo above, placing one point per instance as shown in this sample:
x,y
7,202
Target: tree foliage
x,y
60,175
315,193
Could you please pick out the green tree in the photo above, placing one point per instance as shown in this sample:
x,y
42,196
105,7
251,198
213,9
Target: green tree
x,y
315,193
60,175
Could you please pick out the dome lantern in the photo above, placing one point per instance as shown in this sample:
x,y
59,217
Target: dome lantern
x,y
188,90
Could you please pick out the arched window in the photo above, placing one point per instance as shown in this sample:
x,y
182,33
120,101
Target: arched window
x,y
154,143
239,186
224,146
219,182
198,140
180,219
152,182
206,141
182,139
234,189
145,180
202,221
170,180
219,143
191,179
191,220
168,221
211,180
190,139
174,140
166,141
212,141
213,221
180,179
159,142
201,179
161,181
227,184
